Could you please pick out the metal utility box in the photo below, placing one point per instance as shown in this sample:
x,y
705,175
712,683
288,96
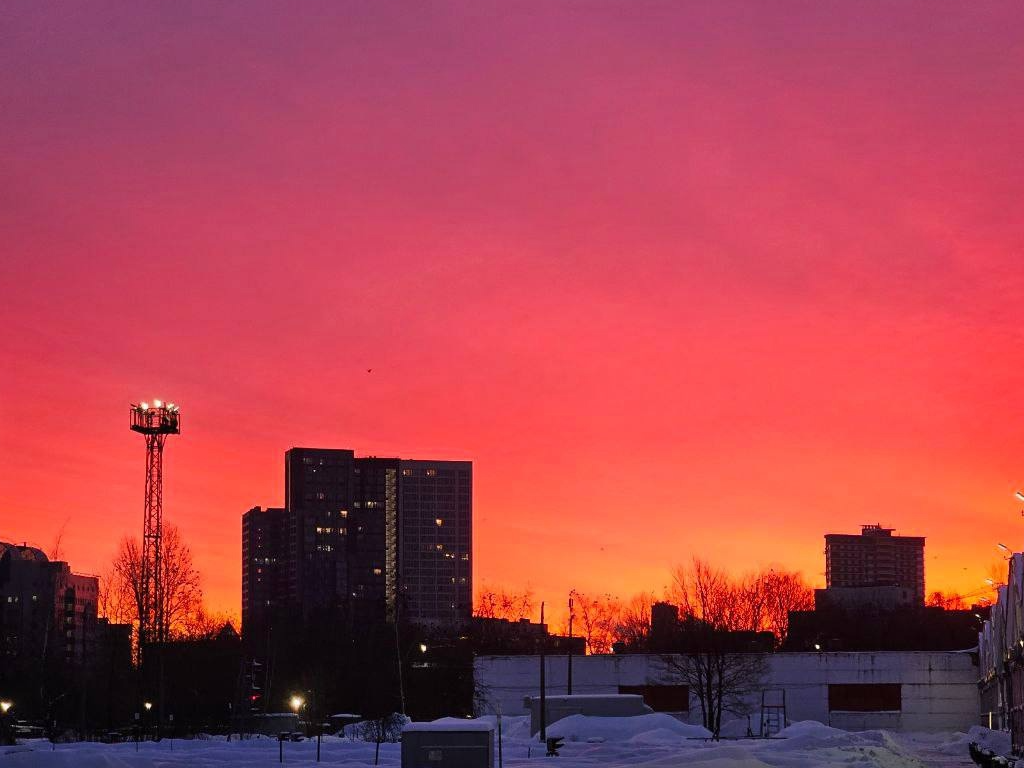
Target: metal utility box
x,y
448,744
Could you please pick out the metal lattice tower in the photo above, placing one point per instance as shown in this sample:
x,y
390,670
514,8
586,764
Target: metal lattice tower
x,y
155,422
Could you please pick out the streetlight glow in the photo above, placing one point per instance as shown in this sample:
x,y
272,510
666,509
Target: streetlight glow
x,y
423,647
5,705
296,702
148,705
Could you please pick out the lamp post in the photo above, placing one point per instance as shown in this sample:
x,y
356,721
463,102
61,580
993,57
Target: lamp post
x,y
147,706
296,702
5,707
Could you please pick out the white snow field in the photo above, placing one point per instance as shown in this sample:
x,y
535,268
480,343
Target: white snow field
x,y
649,740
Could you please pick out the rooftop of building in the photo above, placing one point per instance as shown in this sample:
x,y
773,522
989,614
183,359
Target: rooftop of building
x,y
872,531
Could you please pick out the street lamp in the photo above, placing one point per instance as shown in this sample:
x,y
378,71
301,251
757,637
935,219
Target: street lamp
x,y
423,647
296,703
1019,495
6,737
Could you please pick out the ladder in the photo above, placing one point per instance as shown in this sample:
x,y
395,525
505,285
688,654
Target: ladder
x,y
773,712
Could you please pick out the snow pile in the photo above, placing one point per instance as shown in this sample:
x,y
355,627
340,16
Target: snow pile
x,y
645,741
386,729
832,746
809,728
728,756
654,728
997,741
736,729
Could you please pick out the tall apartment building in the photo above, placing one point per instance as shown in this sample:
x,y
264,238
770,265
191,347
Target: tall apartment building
x,y
318,493
373,538
435,541
46,611
267,582
875,558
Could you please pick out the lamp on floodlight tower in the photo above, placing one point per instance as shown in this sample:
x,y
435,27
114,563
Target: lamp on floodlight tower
x,y
155,422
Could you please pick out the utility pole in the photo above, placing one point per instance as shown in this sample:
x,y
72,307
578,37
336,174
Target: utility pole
x,y
569,676
543,692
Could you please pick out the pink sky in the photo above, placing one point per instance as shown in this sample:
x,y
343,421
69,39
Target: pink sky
x,y
679,280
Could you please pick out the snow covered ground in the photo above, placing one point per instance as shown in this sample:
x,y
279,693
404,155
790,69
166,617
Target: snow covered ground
x,y
656,741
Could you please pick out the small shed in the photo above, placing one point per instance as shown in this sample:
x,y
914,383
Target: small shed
x,y
448,743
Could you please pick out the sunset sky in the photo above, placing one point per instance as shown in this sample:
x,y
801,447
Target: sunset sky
x,y
680,278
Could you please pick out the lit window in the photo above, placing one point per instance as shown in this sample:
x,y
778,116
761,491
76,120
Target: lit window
x,y
377,571
439,521
406,473
431,472
344,513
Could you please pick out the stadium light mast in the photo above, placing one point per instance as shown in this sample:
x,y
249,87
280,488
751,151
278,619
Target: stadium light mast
x,y
155,422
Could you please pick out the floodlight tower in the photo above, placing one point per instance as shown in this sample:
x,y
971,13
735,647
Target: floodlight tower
x,y
155,422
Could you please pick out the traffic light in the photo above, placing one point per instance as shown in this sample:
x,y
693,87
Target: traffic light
x,y
554,744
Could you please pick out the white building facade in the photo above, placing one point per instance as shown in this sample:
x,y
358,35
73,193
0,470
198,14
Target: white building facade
x,y
899,691
1001,655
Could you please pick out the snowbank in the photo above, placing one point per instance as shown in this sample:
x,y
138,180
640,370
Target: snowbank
x,y
735,729
997,741
810,728
446,724
656,726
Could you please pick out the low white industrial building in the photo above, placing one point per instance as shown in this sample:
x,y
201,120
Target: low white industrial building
x,y
900,691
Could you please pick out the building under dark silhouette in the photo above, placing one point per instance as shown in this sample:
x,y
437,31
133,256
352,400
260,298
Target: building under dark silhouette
x,y
875,558
435,542
866,628
489,636
366,539
57,659
44,608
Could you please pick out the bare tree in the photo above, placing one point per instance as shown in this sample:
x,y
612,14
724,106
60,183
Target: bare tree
x,y
714,663
634,621
784,592
598,620
950,601
756,602
201,624
181,595
504,604
57,551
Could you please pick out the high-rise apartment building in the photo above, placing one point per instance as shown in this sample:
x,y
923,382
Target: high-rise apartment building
x,y
875,558
46,611
267,581
318,493
368,538
435,537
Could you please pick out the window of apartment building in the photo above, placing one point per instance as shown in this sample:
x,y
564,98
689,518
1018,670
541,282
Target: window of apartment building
x,y
865,697
662,698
